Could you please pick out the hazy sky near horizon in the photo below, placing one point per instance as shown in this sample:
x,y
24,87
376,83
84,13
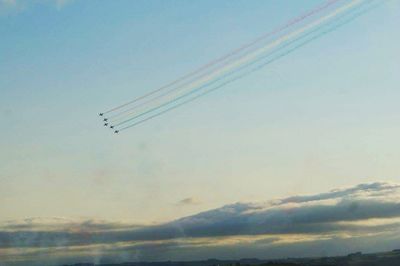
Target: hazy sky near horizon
x,y
321,118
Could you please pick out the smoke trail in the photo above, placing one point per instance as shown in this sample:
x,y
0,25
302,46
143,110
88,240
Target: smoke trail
x,y
210,83
126,113
275,43
223,58
254,69
257,53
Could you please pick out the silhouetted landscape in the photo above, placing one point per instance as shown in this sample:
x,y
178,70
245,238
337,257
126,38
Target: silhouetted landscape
x,y
391,258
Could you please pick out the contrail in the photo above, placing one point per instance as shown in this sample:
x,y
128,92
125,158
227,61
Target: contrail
x,y
254,69
255,54
223,58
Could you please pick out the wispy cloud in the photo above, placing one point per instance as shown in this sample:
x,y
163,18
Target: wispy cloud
x,y
189,201
17,6
342,193
366,210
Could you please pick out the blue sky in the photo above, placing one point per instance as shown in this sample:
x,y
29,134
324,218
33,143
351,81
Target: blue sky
x,y
321,118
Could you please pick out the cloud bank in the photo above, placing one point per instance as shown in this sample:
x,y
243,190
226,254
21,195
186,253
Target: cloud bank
x,y
366,213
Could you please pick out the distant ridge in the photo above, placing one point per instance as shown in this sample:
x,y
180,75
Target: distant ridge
x,y
391,258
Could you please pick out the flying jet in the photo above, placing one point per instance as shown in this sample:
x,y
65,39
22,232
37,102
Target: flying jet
x,y
116,131
105,119
106,124
111,126
101,114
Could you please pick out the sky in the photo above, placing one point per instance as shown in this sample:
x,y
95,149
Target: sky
x,y
323,118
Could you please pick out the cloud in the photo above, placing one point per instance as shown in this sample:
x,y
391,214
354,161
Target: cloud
x,y
17,6
362,188
366,210
38,224
188,201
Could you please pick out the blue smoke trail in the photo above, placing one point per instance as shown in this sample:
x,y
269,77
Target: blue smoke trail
x,y
322,33
196,89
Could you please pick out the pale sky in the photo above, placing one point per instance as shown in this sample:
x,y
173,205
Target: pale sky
x,y
324,117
